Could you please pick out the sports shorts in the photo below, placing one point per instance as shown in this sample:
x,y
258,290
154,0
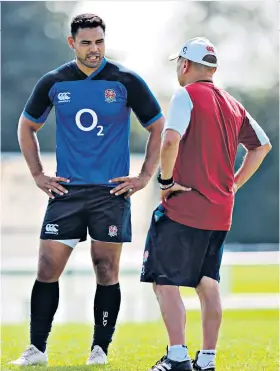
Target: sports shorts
x,y
179,255
91,209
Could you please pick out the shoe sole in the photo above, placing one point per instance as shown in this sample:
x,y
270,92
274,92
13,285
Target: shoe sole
x,y
98,364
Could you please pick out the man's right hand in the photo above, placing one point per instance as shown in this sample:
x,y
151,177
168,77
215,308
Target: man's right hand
x,y
50,184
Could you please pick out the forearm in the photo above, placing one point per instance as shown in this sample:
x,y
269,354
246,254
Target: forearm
x,y
30,149
250,165
168,155
151,161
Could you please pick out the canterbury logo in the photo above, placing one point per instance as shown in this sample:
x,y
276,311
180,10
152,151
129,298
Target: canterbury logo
x,y
64,97
52,228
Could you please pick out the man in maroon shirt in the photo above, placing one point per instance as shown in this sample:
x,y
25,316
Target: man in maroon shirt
x,y
184,246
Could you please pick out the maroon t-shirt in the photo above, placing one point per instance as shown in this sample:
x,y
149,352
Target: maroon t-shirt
x,y
212,124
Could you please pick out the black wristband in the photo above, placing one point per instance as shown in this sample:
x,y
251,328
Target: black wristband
x,y
164,181
164,187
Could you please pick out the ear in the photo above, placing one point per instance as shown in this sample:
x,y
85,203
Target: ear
x,y
186,66
71,42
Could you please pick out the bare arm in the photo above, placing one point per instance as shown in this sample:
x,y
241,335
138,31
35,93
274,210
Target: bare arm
x,y
134,184
250,165
168,156
29,145
169,152
178,119
152,149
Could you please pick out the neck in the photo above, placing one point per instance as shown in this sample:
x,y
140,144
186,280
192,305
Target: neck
x,y
192,79
86,70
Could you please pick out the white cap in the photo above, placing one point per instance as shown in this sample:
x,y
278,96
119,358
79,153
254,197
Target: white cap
x,y
195,50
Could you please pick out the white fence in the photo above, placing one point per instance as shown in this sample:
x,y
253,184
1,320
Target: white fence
x,y
138,301
22,209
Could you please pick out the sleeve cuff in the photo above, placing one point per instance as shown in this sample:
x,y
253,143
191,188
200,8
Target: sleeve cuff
x,y
37,121
150,122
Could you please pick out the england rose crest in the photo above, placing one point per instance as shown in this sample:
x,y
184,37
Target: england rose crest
x,y
110,95
145,256
113,231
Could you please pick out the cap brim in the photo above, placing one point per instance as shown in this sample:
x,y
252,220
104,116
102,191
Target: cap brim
x,y
174,56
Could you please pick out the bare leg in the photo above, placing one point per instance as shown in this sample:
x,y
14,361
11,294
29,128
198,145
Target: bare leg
x,y
106,260
173,312
53,257
211,310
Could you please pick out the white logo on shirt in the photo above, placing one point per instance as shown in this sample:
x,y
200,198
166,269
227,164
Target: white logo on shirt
x,y
93,124
51,229
64,97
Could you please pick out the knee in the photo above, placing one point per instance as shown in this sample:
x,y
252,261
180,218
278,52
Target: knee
x,y
107,272
208,288
209,295
47,271
163,290
158,289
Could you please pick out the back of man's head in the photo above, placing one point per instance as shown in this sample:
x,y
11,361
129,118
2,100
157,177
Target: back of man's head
x,y
199,51
209,58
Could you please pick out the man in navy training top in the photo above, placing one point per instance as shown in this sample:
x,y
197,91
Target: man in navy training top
x,y
205,125
93,98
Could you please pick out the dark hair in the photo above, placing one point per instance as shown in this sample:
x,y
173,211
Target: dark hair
x,y
210,58
87,20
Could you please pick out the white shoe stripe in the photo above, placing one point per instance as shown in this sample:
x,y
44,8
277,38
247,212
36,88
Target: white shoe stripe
x,y
164,367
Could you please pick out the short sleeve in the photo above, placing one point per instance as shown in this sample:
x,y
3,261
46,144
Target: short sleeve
x,y
39,103
179,111
251,134
142,101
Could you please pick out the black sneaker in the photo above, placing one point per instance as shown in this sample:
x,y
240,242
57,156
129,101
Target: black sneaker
x,y
166,364
209,367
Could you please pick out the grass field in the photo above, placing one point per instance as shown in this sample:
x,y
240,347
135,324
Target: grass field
x,y
255,279
251,279
248,342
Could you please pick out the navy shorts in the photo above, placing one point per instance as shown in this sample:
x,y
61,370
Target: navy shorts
x,y
176,254
89,209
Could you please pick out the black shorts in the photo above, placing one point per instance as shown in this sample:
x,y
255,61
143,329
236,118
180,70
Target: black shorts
x,y
106,217
176,254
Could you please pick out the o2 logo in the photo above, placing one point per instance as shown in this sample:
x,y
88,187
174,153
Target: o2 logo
x,y
93,124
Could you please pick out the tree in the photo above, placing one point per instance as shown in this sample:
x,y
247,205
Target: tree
x,y
30,34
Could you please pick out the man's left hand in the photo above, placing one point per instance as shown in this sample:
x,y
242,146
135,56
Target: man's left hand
x,y
129,185
165,193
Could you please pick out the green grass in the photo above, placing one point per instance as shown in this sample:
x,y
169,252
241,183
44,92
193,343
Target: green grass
x,y
248,342
253,279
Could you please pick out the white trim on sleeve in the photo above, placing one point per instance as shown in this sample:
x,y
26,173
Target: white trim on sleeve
x,y
262,137
179,111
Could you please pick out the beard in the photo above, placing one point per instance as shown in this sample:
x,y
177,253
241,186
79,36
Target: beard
x,y
90,64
